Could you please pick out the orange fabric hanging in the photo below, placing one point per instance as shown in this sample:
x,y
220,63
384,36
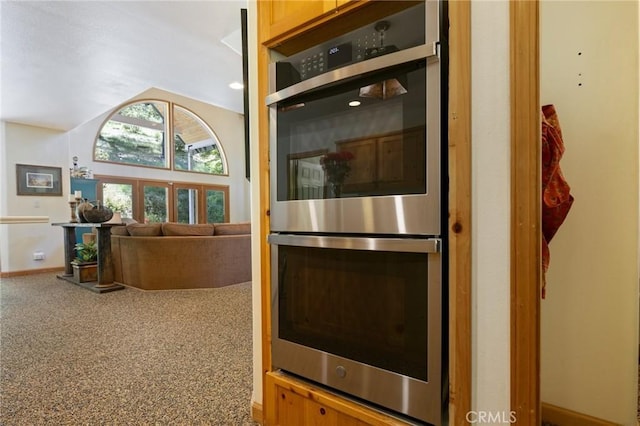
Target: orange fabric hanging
x,y
556,197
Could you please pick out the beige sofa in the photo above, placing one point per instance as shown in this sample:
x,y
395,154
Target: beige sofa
x,y
165,256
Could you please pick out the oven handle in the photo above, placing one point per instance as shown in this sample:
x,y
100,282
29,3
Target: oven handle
x,y
354,70
410,245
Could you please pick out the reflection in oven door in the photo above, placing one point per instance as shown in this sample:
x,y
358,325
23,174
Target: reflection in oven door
x,y
361,315
370,307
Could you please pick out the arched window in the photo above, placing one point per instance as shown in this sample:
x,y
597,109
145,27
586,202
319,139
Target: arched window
x,y
195,147
136,135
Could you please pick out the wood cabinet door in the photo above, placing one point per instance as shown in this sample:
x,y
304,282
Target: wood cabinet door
x,y
290,402
317,414
390,158
363,173
387,163
296,410
401,161
285,15
290,408
340,3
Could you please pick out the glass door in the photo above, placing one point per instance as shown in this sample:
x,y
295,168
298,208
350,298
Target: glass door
x,y
118,197
216,205
156,202
186,208
200,203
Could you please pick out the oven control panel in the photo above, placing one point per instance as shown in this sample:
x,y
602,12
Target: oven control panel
x,y
376,39
338,55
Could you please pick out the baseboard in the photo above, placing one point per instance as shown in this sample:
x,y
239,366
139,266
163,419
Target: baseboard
x,y
30,272
563,417
256,412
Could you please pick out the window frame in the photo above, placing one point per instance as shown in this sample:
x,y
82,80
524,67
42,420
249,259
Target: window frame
x,y
169,138
138,195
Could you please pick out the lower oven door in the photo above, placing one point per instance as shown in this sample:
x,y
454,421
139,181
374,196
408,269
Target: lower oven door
x,y
362,316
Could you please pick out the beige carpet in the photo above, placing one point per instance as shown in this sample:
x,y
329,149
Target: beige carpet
x,y
69,356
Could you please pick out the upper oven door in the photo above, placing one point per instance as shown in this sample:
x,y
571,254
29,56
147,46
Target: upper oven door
x,y
358,149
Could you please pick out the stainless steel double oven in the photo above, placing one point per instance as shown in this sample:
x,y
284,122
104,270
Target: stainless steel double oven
x,y
356,165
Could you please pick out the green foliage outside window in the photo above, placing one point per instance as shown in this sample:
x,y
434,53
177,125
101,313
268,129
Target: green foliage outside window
x,y
155,204
137,135
134,135
215,207
206,161
119,198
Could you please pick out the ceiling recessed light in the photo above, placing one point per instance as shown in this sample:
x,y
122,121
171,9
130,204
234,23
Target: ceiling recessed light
x,y
237,86
354,103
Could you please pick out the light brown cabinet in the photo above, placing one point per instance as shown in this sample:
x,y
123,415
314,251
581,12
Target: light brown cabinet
x,y
289,27
386,163
291,402
285,15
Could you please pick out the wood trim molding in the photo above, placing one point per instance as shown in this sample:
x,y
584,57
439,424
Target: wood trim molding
x,y
562,416
257,413
264,225
30,272
525,211
459,211
12,220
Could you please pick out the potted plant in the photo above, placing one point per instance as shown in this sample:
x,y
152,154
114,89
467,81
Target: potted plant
x,y
85,265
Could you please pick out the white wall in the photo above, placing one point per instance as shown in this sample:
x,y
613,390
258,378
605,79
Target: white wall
x,y
491,204
590,315
34,145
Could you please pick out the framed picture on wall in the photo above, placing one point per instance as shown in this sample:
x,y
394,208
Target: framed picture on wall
x,y
38,180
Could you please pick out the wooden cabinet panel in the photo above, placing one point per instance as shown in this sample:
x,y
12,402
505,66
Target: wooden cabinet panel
x,y
292,402
319,415
399,164
288,26
285,15
390,158
386,163
363,166
290,407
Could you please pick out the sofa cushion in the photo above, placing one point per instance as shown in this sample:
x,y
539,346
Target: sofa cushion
x,y
186,229
144,229
119,230
232,228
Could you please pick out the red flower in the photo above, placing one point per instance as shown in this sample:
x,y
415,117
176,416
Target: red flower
x,y
336,165
340,156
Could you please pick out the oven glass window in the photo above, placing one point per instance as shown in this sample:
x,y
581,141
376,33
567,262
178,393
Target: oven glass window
x,y
369,306
362,138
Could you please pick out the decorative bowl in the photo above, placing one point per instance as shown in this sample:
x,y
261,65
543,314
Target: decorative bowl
x,y
98,214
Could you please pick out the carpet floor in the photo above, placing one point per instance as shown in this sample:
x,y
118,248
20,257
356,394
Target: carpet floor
x,y
69,356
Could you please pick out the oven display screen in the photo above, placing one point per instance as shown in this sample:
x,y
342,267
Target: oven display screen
x,y
339,55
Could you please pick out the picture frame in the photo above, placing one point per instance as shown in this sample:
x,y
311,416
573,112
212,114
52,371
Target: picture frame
x,y
38,180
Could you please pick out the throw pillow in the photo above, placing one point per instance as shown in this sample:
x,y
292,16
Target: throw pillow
x,y
119,230
144,229
232,228
186,229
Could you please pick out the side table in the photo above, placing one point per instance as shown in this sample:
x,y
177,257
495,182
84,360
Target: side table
x,y
105,262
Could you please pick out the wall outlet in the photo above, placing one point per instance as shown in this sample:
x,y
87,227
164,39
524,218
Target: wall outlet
x,y
38,255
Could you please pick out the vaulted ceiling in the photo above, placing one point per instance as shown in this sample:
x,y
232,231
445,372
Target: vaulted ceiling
x,y
66,62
